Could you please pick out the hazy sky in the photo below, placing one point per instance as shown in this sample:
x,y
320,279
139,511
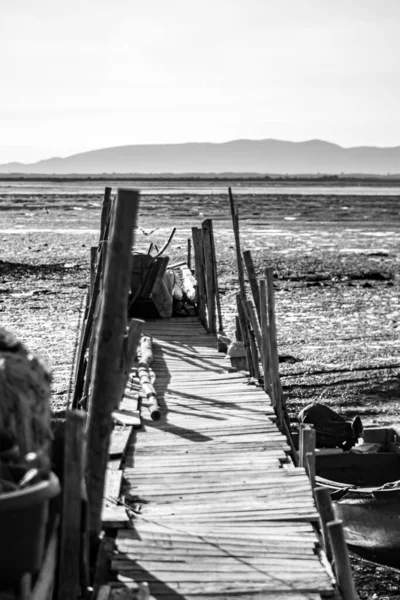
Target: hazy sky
x,y
83,74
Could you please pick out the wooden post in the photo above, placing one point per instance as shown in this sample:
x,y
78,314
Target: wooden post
x,y
70,542
255,326
276,388
189,253
87,331
326,515
310,468
107,366
308,446
342,560
244,332
238,332
236,233
265,337
209,272
93,261
251,273
216,288
199,271
301,444
105,212
252,339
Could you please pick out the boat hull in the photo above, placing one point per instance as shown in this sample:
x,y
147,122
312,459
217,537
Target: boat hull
x,y
371,522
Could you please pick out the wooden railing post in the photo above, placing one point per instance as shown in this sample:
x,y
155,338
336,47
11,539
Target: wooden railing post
x,y
210,276
342,561
108,368
199,271
326,515
70,539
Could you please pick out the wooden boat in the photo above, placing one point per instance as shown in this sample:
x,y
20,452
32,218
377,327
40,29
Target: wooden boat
x,y
366,496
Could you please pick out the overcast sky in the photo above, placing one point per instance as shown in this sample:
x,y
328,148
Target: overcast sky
x,y
83,74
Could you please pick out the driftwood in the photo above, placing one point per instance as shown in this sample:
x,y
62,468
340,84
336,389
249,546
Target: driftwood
x,y
146,358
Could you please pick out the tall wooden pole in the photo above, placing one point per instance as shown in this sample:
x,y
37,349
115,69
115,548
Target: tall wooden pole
x,y
251,273
209,273
236,233
199,272
342,560
105,212
108,367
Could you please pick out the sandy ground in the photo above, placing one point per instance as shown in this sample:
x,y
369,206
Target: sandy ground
x,y
336,261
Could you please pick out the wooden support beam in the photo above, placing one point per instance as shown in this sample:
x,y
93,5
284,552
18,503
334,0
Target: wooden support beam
x,y
217,296
326,515
276,388
265,337
256,327
209,273
189,254
86,331
342,560
108,376
244,334
105,213
199,272
251,274
236,233
93,262
70,542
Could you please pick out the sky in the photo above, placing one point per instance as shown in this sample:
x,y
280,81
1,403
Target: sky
x,y
78,75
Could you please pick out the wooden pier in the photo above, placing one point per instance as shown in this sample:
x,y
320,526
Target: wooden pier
x,y
216,507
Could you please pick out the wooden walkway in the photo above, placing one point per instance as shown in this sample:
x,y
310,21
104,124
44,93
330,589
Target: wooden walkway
x,y
219,511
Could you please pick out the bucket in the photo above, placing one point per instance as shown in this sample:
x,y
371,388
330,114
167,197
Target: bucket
x,y
23,519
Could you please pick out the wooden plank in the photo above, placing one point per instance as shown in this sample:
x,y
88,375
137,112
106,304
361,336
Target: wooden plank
x,y
129,418
119,441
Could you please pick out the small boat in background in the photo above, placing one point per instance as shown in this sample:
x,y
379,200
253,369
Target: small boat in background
x,y
365,487
361,469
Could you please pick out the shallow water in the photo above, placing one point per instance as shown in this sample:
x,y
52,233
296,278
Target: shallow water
x,y
183,187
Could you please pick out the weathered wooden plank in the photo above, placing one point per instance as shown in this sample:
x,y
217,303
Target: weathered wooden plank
x,y
119,441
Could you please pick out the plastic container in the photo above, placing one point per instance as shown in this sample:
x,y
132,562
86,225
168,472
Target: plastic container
x,y
23,519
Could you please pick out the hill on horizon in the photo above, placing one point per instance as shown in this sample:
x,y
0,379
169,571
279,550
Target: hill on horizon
x,y
237,156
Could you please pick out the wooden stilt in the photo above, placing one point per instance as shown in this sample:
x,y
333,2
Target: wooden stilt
x,y
276,388
326,515
265,337
342,560
236,233
108,368
209,275
70,541
251,274
244,333
199,271
105,213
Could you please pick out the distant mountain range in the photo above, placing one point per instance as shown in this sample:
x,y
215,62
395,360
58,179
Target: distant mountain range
x,y
239,156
